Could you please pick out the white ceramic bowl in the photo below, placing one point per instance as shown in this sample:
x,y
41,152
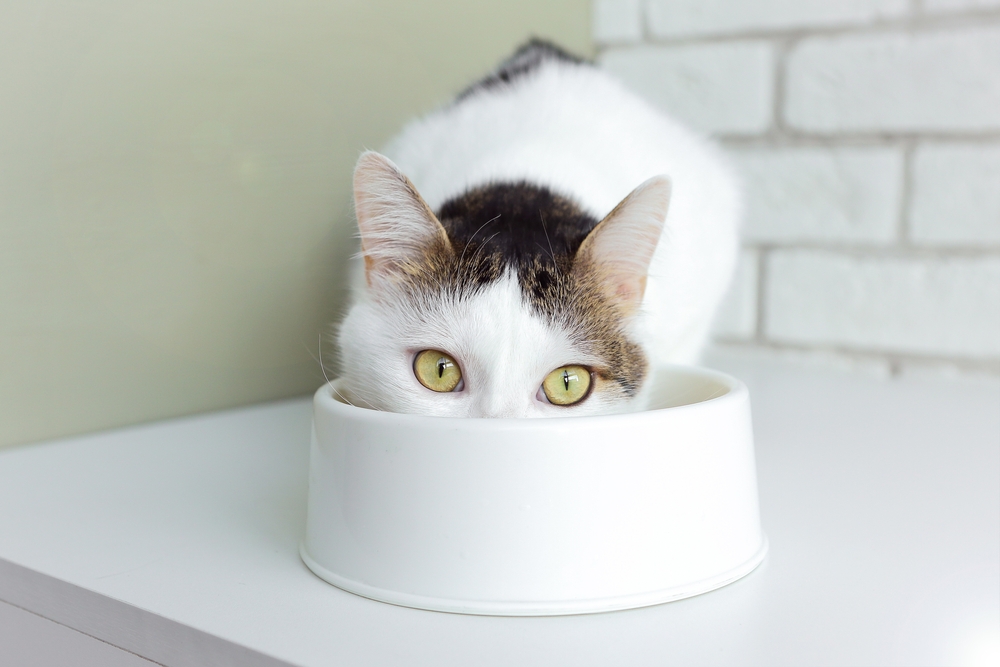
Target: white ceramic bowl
x,y
538,516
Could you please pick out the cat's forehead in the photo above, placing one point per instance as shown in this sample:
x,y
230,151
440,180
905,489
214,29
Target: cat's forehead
x,y
495,327
524,223
509,270
500,229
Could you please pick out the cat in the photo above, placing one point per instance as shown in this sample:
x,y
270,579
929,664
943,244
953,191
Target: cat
x,y
518,255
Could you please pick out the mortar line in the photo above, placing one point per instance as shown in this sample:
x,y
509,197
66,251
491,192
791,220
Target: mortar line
x,y
782,48
869,250
903,231
910,23
646,33
989,366
791,137
761,256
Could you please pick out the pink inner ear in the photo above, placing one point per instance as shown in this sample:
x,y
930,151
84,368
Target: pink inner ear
x,y
622,245
631,291
395,223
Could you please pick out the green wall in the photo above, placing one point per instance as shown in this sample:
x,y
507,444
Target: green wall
x,y
174,187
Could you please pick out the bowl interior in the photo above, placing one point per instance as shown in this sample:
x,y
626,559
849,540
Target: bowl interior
x,y
672,386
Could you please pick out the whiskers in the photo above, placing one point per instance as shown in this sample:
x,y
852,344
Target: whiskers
x,y
329,382
482,245
552,254
473,238
322,367
342,397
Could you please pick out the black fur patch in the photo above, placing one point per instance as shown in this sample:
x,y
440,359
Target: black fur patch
x,y
537,233
526,59
522,223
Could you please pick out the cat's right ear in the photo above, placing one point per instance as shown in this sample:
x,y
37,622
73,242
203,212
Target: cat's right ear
x,y
619,249
397,227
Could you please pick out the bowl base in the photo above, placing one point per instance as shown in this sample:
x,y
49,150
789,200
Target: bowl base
x,y
547,608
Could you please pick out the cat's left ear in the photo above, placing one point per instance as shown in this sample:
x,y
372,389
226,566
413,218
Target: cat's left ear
x,y
619,249
397,227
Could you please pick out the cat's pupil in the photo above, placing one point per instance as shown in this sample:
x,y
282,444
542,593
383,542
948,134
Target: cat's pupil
x,y
442,364
566,379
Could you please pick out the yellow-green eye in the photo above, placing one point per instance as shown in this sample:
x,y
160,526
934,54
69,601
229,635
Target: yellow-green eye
x,y
437,371
567,385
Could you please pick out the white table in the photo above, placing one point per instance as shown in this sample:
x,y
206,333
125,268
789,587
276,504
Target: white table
x,y
881,500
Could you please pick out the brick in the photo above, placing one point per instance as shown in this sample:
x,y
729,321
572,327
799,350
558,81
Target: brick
x,y
737,316
745,361
932,306
935,371
956,195
942,80
686,18
821,194
938,6
712,87
617,21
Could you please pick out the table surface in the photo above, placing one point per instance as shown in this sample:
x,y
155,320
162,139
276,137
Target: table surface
x,y
177,542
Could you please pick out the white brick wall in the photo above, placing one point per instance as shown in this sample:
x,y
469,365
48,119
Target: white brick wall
x,y
822,194
617,21
868,136
947,306
930,80
713,87
956,195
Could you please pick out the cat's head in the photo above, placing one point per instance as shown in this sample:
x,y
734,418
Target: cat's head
x,y
514,303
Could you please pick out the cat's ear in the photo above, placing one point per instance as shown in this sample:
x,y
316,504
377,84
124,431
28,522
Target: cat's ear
x,y
618,250
397,227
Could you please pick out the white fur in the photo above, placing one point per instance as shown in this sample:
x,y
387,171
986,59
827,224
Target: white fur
x,y
398,225
504,351
582,134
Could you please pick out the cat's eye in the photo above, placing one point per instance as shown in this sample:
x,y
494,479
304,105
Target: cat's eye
x,y
437,371
567,385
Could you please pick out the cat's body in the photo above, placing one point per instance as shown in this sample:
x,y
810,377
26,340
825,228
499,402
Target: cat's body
x,y
519,170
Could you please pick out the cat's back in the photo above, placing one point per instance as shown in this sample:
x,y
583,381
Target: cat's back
x,y
549,119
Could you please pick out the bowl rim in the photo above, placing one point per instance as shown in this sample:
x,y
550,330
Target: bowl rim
x,y
736,391
565,607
